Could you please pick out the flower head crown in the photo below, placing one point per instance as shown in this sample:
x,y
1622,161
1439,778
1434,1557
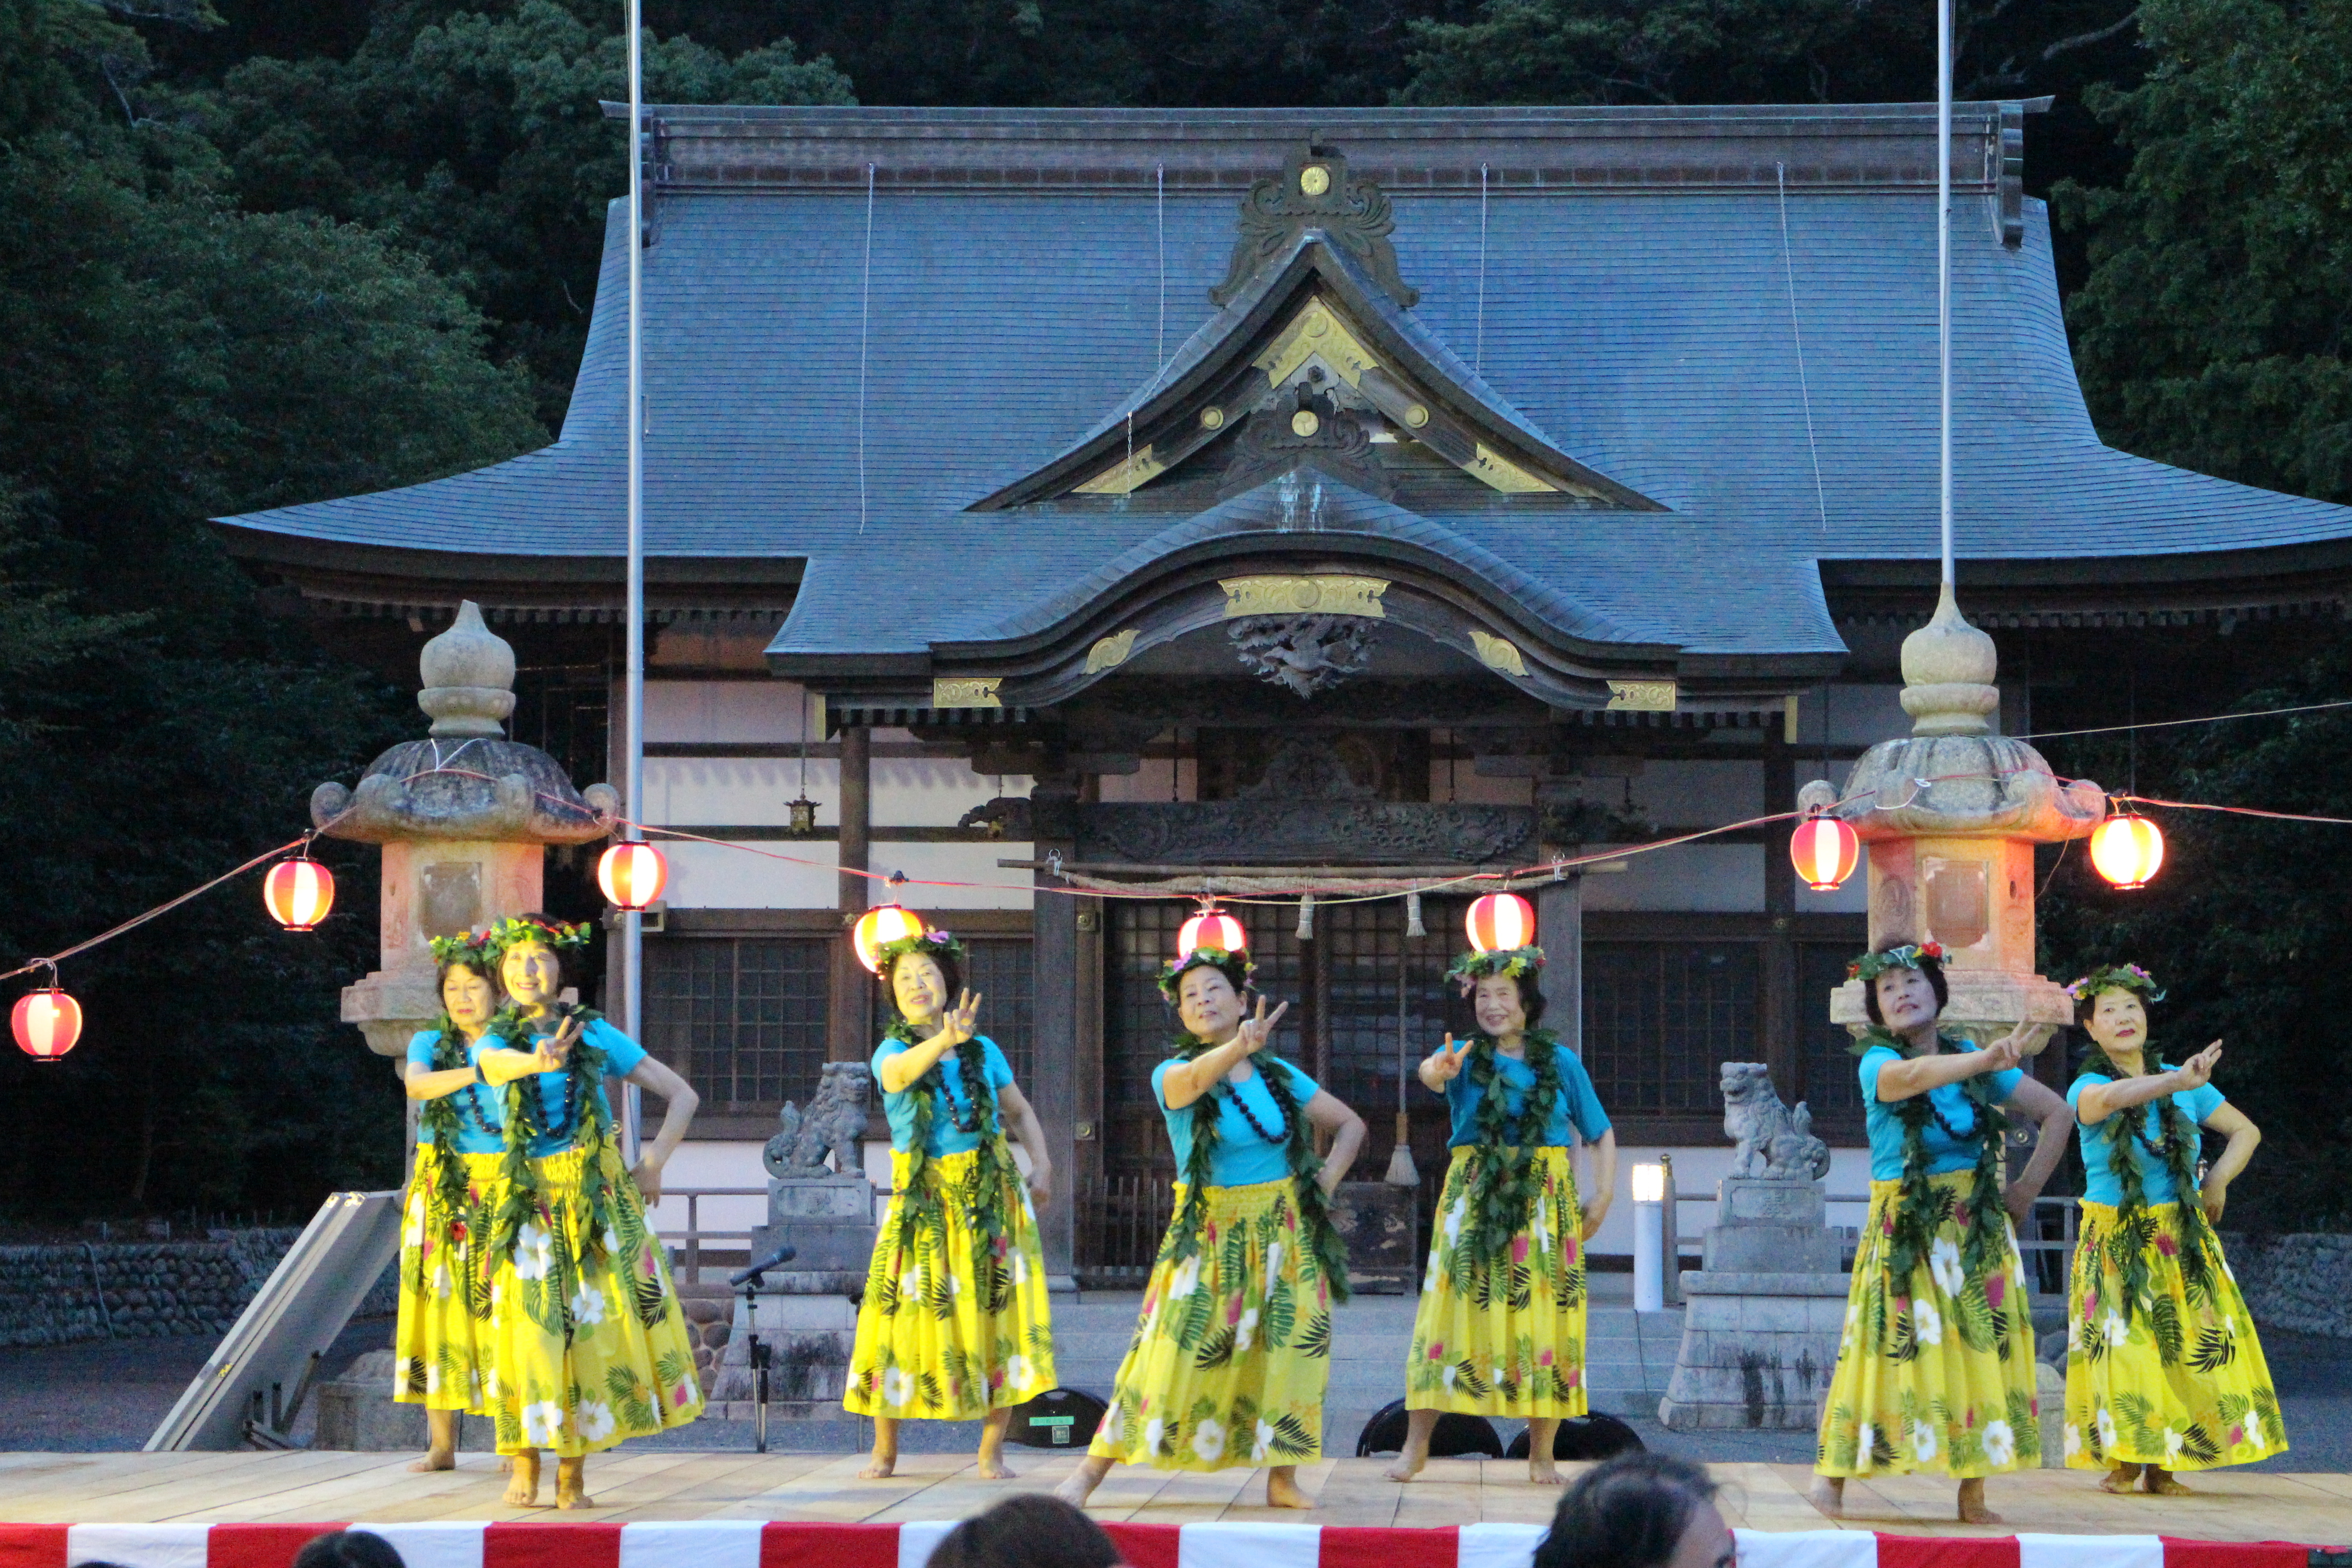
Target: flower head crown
x,y
2116,977
930,942
471,948
1518,962
1172,974
515,930
1911,955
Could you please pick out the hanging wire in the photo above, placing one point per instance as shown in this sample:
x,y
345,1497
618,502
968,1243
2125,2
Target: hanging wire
x,y
1804,386
1478,355
1159,349
865,318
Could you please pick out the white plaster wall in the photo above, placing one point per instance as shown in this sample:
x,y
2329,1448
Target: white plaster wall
x,y
715,1163
1715,877
1696,1172
686,792
1858,716
928,791
1149,783
976,881
704,710
784,874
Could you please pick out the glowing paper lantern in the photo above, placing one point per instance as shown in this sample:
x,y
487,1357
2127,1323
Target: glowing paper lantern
x,y
631,876
298,893
1825,850
2128,851
1212,928
46,1022
876,929
1500,922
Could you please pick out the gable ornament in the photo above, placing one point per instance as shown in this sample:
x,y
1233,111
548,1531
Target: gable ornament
x,y
1315,192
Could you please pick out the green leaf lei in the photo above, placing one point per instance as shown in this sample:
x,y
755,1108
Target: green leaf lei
x,y
1922,1209
1324,1241
446,1200
923,1204
524,1201
2176,1143
1503,1187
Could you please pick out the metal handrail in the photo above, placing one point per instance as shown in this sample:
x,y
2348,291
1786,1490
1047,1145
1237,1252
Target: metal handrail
x,y
694,1234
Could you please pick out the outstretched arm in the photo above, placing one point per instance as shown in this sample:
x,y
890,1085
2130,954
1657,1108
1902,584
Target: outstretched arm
x,y
956,1025
2100,1101
1918,1075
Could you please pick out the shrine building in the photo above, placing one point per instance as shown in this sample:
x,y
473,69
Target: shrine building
x,y
1340,498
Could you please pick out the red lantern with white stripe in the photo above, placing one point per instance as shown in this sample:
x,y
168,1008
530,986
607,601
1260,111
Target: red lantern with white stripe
x,y
47,1024
878,929
1825,850
2127,849
1212,928
1501,921
298,893
632,875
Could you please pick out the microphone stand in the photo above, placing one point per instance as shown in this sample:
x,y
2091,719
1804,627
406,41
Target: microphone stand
x,y
751,1281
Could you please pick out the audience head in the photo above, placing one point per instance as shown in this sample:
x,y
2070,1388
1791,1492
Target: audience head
x,y
1030,1531
348,1549
1638,1510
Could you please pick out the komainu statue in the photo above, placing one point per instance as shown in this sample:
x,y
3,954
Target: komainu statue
x,y
1769,1133
833,1123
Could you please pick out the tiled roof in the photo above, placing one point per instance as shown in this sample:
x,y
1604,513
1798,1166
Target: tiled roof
x,y
1650,335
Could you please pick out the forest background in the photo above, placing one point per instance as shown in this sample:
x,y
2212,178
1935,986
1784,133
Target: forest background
x,y
257,252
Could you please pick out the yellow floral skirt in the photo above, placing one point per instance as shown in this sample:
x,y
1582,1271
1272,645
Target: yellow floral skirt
x,y
947,1331
2180,1382
1232,1350
1505,1339
1935,1372
443,1334
583,1350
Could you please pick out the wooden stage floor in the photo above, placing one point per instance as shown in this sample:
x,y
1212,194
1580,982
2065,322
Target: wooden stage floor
x,y
306,1487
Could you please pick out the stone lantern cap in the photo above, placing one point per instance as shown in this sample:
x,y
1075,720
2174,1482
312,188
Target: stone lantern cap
x,y
467,781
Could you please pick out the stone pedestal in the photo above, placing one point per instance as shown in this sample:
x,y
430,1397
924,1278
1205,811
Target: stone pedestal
x,y
358,1414
828,1218
1376,1220
809,1328
1762,1320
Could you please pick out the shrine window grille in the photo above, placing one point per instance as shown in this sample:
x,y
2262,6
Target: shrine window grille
x,y
742,1018
1659,1018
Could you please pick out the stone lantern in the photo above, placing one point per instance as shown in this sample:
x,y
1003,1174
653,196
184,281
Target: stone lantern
x,y
464,819
1950,818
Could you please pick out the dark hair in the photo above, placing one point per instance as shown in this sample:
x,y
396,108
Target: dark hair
x,y
1032,1531
951,974
569,962
348,1549
1933,968
487,968
1531,996
1625,1512
2087,1004
1233,966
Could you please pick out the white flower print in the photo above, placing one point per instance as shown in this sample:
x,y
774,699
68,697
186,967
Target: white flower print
x,y
2117,1329
2254,1428
1541,1222
595,1420
1272,1263
1923,1442
1020,1267
1429,1280
1454,1218
431,1377
1866,1439
494,1389
897,1386
1944,1263
1265,1439
1185,1279
612,1240
910,1283
587,1304
401,1371
2107,1431
2074,1439
1209,1441
2000,1443
1243,1329
1928,1322
2173,1443
2074,1333
442,1283
412,1233
1114,1422
1450,1374
955,1283
1018,1372
540,1422
534,1252
1154,1430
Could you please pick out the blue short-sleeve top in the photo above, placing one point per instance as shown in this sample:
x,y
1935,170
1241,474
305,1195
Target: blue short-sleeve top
x,y
1575,1106
2099,1183
481,1111
1242,1158
1946,1153
622,1056
950,1104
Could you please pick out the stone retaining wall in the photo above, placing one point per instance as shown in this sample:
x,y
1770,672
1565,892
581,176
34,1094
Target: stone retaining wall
x,y
2301,1283
112,1290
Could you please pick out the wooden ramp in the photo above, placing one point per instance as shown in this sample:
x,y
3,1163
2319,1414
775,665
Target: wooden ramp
x,y
300,1487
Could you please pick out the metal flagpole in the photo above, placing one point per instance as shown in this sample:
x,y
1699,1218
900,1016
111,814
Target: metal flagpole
x,y
1944,268
632,924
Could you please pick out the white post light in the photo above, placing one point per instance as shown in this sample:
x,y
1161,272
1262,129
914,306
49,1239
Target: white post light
x,y
632,933
1649,1238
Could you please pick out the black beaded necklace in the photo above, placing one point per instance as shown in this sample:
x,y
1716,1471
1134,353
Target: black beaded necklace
x,y
1232,1093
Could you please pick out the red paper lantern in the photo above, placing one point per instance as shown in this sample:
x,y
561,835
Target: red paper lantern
x,y
2127,849
1212,928
1500,922
632,875
46,1022
1825,850
298,893
876,929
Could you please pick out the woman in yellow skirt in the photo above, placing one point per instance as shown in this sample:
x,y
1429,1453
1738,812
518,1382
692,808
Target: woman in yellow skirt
x,y
955,1322
1936,1368
2164,1372
1231,1352
588,1345
1500,1329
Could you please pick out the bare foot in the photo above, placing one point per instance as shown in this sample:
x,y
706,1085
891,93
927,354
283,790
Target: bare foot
x,y
1828,1497
992,1468
2161,1482
1543,1472
434,1459
1282,1488
571,1484
522,1490
1972,1510
2120,1479
1408,1465
1082,1482
879,1466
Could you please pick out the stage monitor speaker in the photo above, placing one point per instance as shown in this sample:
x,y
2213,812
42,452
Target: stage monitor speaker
x,y
257,1381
